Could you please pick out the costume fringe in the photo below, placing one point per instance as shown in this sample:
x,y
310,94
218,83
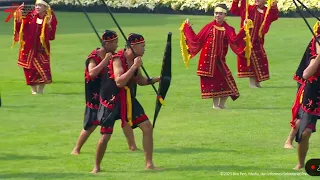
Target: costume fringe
x,y
184,47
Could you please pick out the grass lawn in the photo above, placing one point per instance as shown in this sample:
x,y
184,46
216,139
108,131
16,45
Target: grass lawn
x,y
192,141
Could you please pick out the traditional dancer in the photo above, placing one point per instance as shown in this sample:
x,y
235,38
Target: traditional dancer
x,y
306,105
298,76
116,101
216,78
34,32
262,17
94,67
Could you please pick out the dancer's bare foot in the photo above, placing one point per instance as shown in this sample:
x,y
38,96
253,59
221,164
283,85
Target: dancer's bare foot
x,y
253,86
75,152
152,167
34,90
41,88
288,146
134,149
298,167
216,107
252,83
95,170
258,85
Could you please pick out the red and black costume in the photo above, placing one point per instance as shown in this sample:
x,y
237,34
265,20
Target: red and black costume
x,y
35,33
305,60
307,104
259,67
93,84
119,102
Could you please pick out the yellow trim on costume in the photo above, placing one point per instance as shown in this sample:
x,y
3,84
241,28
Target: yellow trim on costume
x,y
16,18
129,105
22,42
184,47
42,36
315,28
14,28
270,2
220,9
301,96
219,28
247,26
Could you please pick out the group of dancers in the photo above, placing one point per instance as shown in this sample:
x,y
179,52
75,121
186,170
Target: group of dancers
x,y
110,79
111,75
216,79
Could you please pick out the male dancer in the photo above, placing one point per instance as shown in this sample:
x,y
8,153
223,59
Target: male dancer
x,y
95,65
298,76
307,105
116,101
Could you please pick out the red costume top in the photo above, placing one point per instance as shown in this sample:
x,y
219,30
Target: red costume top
x,y
213,39
258,67
34,37
257,15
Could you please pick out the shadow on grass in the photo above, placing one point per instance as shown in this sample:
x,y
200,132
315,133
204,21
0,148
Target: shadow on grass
x,y
19,106
67,82
188,150
214,168
42,175
228,168
67,93
280,87
260,108
14,157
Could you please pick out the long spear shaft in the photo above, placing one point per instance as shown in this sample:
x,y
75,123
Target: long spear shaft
x,y
299,10
128,44
87,16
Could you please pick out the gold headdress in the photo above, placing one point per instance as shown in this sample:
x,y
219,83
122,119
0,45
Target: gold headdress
x,y
220,9
42,2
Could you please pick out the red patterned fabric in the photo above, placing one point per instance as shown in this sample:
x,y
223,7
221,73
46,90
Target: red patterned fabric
x,y
259,67
33,58
215,77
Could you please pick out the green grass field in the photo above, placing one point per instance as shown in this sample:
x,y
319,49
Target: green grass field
x,y
192,141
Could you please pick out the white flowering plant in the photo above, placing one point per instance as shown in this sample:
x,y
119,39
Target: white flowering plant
x,y
284,6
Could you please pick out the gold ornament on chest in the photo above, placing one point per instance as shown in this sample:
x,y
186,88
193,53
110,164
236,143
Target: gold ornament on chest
x,y
260,10
39,21
219,28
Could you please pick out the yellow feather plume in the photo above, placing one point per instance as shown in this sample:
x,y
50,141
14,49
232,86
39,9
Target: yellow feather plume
x,y
42,36
22,42
14,28
265,17
315,27
184,47
248,25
